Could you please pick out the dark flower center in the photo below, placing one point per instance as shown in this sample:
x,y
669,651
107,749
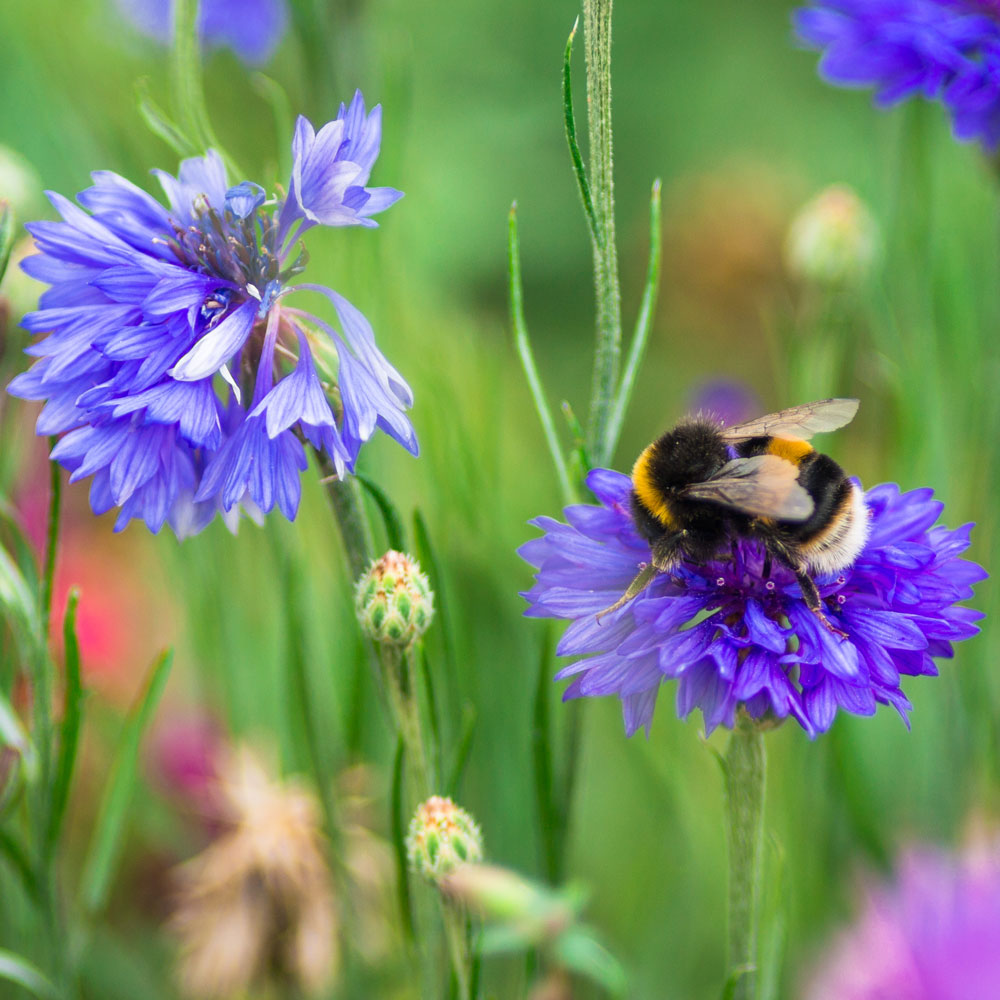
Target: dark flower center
x,y
243,251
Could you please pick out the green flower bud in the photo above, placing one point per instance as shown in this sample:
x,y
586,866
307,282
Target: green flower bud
x,y
834,240
394,600
441,837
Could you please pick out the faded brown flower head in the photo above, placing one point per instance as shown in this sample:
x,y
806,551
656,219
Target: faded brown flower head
x,y
257,905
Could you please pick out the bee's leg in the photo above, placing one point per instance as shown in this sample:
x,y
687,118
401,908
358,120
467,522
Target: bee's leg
x,y
666,555
810,592
813,601
766,572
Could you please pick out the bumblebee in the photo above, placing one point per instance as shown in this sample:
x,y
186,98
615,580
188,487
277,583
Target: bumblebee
x,y
703,485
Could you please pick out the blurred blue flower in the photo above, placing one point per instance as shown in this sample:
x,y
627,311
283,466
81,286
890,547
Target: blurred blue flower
x,y
173,366
251,28
728,400
933,934
947,50
731,637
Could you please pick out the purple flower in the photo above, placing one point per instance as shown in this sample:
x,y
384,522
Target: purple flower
x,y
251,28
933,935
947,50
730,637
178,375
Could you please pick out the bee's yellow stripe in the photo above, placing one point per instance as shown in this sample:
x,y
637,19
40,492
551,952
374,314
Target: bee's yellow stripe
x,y
790,449
649,494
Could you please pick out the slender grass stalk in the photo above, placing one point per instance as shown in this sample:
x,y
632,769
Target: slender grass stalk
x,y
643,324
597,31
525,353
745,767
186,81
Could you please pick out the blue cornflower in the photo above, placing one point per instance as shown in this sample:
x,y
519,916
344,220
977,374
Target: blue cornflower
x,y
947,50
173,366
731,637
251,28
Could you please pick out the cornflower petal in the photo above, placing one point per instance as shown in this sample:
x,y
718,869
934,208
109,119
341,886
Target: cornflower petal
x,y
944,50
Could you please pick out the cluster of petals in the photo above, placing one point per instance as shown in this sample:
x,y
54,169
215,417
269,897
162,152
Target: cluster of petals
x,y
932,934
731,637
251,28
173,369
947,50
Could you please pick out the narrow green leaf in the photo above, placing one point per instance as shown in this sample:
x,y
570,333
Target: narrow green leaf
x,y
7,228
17,858
541,752
643,324
582,953
574,147
525,353
394,532
19,546
460,757
399,824
734,980
51,547
16,969
106,841
160,123
18,604
69,731
433,717
773,923
12,731
426,553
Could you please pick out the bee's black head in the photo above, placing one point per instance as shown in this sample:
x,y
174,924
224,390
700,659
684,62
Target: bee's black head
x,y
690,453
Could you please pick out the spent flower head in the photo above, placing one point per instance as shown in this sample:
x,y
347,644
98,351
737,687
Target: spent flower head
x,y
932,934
178,375
394,600
834,240
941,50
441,837
257,905
730,636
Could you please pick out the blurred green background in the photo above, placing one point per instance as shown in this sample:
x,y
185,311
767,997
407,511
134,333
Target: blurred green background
x,y
713,98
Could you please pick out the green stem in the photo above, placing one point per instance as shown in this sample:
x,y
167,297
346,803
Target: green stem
x,y
454,929
51,545
745,780
597,29
355,531
186,80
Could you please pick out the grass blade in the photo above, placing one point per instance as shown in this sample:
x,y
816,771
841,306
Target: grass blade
x,y
6,235
643,324
527,356
427,556
105,845
574,147
274,94
159,122
17,858
394,533
399,843
19,970
69,734
541,754
460,757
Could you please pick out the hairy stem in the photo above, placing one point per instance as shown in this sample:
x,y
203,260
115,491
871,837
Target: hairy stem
x,y
597,29
745,780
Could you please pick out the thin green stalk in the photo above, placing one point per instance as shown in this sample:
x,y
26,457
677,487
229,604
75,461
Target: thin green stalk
x,y
597,29
355,531
186,80
523,344
51,545
745,768
643,325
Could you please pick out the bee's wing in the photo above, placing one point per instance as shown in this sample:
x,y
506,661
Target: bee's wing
x,y
764,486
798,421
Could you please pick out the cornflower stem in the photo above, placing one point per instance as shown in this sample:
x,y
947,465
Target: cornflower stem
x,y
597,30
745,768
395,669
44,738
